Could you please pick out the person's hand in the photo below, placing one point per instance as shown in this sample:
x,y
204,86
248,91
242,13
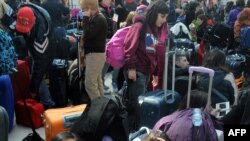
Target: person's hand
x,y
82,59
155,80
132,74
160,139
192,26
214,112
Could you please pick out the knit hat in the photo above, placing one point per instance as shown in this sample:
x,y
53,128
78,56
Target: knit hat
x,y
25,19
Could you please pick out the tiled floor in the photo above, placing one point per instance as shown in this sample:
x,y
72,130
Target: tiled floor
x,y
19,132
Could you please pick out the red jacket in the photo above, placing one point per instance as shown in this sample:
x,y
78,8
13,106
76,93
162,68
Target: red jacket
x,y
140,54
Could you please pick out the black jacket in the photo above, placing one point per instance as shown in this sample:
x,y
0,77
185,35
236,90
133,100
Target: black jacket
x,y
38,44
108,14
220,84
56,11
95,33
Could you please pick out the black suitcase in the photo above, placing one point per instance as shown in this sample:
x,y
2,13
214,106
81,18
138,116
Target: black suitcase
x,y
237,63
77,92
159,103
63,48
4,122
58,82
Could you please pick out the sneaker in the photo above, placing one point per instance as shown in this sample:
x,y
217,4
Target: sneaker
x,y
115,88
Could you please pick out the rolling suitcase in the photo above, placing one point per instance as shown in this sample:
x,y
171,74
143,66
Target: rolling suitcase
x,y
78,94
27,110
58,82
61,119
7,98
4,122
191,122
24,75
156,104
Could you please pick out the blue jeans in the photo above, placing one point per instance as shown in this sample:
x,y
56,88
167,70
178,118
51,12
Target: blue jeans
x,y
44,94
115,73
135,89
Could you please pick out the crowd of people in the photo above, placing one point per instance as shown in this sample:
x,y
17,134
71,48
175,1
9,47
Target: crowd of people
x,y
43,25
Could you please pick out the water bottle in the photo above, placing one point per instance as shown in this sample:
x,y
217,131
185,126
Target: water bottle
x,y
197,117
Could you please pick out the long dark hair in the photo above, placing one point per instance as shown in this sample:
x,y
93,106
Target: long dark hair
x,y
215,59
229,6
204,19
198,99
156,7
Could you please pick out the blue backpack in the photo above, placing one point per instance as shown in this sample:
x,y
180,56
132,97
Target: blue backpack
x,y
244,37
8,56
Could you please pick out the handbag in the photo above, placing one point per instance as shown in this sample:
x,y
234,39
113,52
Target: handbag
x,y
34,136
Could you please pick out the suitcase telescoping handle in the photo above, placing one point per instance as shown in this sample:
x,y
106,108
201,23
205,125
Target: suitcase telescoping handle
x,y
165,87
165,80
78,54
79,35
201,70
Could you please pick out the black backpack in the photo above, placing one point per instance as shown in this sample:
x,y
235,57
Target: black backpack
x,y
105,116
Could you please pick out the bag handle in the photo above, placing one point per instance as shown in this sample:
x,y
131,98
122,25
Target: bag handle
x,y
24,101
202,70
165,87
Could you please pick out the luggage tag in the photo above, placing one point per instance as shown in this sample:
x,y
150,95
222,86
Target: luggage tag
x,y
69,120
224,109
58,62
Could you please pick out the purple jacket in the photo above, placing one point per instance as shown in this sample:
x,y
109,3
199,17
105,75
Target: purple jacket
x,y
141,54
232,17
179,126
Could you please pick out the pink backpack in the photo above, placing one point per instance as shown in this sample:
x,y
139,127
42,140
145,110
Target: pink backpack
x,y
115,48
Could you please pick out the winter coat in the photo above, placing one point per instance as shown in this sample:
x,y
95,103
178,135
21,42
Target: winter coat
x,y
179,126
107,12
39,45
140,53
242,20
232,17
220,84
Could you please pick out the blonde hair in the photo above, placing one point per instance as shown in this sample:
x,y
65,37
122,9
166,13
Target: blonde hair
x,y
156,136
93,4
129,19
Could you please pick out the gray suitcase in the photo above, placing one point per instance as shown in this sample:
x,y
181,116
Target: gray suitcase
x,y
4,122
